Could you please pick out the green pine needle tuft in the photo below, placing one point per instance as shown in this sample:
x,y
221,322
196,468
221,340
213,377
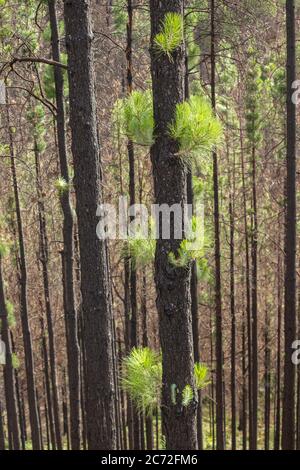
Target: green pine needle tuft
x,y
201,375
133,117
15,361
142,378
196,128
187,396
10,314
61,186
171,35
140,250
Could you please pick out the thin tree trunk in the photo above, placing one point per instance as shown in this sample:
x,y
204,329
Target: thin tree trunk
x,y
2,435
278,365
218,288
254,234
48,386
133,278
9,382
233,324
248,286
144,314
44,259
267,379
28,352
194,280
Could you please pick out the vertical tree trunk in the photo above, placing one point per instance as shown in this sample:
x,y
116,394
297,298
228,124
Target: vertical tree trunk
x,y
278,358
288,412
248,286
9,382
173,284
254,234
48,386
96,299
194,280
2,435
133,277
44,258
218,287
233,323
73,352
267,379
244,381
28,352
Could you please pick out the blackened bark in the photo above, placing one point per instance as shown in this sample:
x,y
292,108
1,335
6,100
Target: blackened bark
x,y
133,276
288,412
233,323
9,380
278,358
47,386
96,299
28,352
254,235
218,287
68,231
194,280
267,377
248,286
173,284
2,436
44,259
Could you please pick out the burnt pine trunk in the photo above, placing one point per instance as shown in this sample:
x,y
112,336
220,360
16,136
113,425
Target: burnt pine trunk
x,y
68,231
47,383
172,284
254,235
26,331
233,323
267,379
194,279
96,299
9,380
44,259
133,276
218,287
277,423
288,412
2,436
247,281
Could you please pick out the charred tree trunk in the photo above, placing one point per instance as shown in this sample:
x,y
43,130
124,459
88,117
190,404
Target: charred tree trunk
x,y
218,288
48,386
267,379
28,352
133,277
2,435
288,411
44,259
73,353
9,380
172,283
254,234
233,324
279,361
96,298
